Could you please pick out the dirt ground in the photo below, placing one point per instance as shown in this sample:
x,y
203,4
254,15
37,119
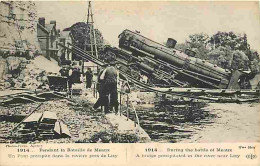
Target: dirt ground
x,y
232,123
85,124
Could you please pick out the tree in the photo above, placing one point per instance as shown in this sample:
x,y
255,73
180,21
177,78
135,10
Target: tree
x,y
214,55
225,49
222,56
253,55
81,34
234,41
198,38
240,60
196,42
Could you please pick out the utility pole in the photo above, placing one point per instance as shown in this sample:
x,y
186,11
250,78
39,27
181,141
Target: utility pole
x,y
90,23
92,40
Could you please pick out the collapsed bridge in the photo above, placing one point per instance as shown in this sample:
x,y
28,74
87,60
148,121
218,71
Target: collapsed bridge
x,y
221,95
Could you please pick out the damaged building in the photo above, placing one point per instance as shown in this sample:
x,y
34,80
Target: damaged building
x,y
18,27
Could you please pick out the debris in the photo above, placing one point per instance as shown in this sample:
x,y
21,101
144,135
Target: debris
x,y
64,130
49,117
57,128
17,100
33,118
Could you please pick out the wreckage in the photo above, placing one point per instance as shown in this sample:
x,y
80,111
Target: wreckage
x,y
173,67
216,94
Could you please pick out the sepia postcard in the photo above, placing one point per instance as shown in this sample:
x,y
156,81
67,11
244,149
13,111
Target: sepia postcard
x,y
129,83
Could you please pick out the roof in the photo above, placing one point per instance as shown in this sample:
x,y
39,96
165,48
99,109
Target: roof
x,y
42,27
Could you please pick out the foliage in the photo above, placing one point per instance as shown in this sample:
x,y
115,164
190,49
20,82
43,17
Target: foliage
x,y
225,49
222,56
201,51
198,38
234,41
81,34
240,60
253,55
197,43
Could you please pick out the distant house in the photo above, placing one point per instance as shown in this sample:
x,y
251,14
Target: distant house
x,y
65,38
48,37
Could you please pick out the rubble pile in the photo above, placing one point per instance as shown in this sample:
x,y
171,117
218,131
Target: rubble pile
x,y
35,78
10,116
21,73
82,121
84,124
24,109
41,126
5,130
47,124
28,129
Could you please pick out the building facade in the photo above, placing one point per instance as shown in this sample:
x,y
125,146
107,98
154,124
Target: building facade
x,y
48,38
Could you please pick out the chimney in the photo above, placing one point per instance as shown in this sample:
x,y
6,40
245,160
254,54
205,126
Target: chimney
x,y
53,22
42,21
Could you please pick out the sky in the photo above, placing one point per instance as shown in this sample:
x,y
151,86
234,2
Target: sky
x,y
159,20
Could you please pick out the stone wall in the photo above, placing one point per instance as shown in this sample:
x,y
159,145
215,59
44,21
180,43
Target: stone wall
x,y
18,24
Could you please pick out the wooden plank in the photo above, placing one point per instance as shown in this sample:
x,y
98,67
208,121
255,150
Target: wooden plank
x,y
57,128
64,130
17,100
49,116
49,95
46,126
207,91
13,92
35,117
32,97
